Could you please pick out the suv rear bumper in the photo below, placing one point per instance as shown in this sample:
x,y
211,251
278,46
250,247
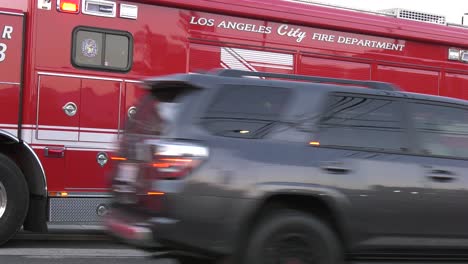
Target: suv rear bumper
x,y
151,233
131,230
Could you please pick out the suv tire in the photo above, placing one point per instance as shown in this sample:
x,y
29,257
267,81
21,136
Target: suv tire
x,y
290,236
14,198
191,260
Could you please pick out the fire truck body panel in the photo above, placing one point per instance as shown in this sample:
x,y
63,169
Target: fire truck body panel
x,y
11,48
74,106
14,6
316,15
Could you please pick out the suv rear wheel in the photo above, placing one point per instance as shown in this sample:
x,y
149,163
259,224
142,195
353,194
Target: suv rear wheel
x,y
290,236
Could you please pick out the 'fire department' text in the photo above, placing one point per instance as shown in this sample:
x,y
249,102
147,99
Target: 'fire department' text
x,y
299,33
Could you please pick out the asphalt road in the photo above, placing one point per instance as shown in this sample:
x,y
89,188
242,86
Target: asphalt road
x,y
72,248
89,248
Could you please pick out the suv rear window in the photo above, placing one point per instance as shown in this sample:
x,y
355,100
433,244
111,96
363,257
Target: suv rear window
x,y
253,102
245,111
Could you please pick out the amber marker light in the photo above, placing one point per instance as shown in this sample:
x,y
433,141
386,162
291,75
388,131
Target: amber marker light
x,y
68,6
155,193
118,158
314,143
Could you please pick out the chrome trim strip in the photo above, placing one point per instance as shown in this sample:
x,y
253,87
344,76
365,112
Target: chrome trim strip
x,y
89,129
80,76
87,77
12,83
133,81
11,13
110,149
58,127
9,126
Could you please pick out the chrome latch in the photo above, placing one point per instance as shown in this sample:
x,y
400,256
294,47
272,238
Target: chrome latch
x,y
70,109
102,158
131,112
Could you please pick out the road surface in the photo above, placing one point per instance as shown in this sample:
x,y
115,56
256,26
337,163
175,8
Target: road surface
x,y
89,248
72,248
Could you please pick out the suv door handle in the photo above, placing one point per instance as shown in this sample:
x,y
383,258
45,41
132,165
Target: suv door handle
x,y
335,168
441,175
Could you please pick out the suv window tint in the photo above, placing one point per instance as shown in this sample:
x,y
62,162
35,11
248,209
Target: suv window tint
x,y
245,111
363,122
256,102
441,130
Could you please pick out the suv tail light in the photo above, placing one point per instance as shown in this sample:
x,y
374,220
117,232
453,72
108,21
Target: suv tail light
x,y
167,161
174,160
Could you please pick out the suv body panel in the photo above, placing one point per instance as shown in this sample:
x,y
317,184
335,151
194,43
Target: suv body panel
x,y
377,205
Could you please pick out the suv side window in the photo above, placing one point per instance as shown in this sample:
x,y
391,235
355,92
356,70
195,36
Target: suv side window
x,y
360,121
441,130
245,111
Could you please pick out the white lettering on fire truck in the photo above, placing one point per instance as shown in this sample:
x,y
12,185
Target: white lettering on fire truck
x,y
370,43
299,34
7,30
291,32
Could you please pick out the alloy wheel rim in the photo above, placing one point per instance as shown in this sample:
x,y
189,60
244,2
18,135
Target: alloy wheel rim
x,y
3,199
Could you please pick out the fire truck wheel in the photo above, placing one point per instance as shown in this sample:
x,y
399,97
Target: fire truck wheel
x,y
14,198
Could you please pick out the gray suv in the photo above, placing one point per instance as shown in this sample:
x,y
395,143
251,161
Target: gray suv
x,y
259,167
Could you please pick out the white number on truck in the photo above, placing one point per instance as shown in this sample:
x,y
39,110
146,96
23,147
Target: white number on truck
x,y
3,48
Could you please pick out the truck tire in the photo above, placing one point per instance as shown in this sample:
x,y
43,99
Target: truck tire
x,y
290,236
14,199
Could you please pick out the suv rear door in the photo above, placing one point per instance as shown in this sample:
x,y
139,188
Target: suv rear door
x,y
364,149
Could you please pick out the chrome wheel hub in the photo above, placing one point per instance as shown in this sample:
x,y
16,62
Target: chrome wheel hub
x,y
3,199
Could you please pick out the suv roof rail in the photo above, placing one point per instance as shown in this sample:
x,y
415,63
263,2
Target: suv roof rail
x,y
370,84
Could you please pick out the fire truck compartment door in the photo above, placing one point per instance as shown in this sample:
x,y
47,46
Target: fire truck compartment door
x,y
99,116
59,108
133,93
11,46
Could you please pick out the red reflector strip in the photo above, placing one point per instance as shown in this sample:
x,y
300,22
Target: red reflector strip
x,y
168,162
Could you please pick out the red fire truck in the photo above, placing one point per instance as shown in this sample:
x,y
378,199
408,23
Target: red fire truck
x,y
69,73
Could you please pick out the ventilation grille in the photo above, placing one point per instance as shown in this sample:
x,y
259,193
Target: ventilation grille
x,y
416,16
